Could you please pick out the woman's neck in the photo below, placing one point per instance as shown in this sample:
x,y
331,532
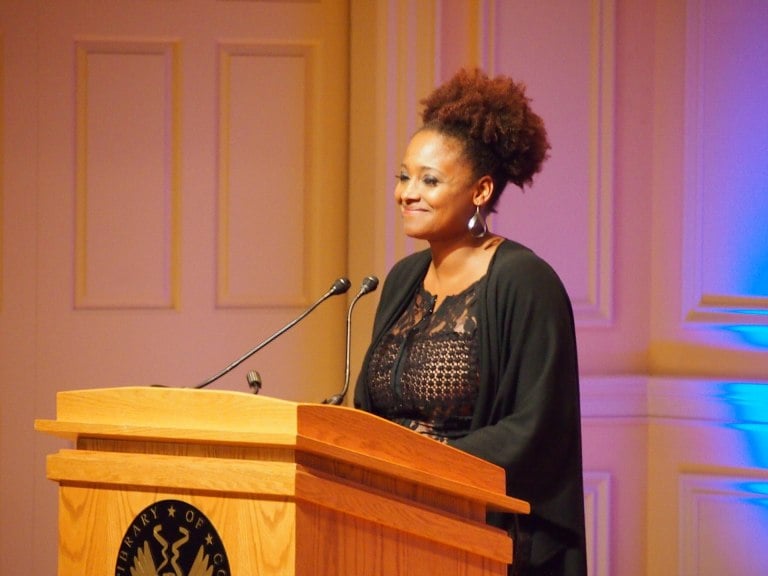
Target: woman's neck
x,y
455,266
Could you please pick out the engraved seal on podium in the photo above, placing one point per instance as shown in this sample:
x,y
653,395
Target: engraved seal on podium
x,y
171,538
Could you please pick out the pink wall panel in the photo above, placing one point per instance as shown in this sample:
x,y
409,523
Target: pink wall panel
x,y
264,129
726,195
126,174
724,526
567,215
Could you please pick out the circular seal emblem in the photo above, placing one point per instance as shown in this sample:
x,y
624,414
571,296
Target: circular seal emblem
x,y
171,538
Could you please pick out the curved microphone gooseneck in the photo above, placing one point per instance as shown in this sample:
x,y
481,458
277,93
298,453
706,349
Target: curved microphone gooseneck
x,y
370,283
340,286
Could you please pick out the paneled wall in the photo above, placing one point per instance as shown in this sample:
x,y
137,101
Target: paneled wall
x,y
174,182
652,207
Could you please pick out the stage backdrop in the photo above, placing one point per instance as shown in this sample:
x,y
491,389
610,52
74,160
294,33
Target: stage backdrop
x,y
179,179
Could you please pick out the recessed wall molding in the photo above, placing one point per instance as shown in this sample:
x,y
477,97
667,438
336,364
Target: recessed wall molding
x,y
597,510
614,396
724,169
411,33
597,308
592,185
261,200
127,172
691,399
714,511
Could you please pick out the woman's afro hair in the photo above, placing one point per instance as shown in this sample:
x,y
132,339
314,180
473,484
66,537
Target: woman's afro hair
x,y
492,118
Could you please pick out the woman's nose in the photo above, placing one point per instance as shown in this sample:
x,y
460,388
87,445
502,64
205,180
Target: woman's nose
x,y
408,192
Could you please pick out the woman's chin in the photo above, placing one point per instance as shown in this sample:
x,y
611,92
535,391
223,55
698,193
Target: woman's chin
x,y
415,233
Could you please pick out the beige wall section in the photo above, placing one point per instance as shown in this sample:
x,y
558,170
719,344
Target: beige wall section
x,y
20,465
174,184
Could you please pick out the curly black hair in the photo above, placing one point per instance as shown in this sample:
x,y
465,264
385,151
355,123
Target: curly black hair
x,y
492,118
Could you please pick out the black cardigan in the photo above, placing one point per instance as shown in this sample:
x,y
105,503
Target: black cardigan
x,y
527,417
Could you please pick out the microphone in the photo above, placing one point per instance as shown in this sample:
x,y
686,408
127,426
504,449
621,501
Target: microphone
x,y
370,283
340,286
254,381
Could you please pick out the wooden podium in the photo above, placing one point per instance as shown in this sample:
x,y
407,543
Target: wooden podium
x,y
184,482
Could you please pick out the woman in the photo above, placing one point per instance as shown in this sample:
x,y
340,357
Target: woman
x,y
473,341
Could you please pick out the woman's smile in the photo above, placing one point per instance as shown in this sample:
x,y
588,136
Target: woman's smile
x,y
434,187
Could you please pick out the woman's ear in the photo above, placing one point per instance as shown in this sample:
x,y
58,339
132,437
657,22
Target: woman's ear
x,y
483,191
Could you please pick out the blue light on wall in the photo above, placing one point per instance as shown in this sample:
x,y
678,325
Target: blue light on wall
x,y
749,402
754,336
730,147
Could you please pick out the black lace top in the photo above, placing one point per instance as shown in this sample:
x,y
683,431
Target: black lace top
x,y
424,372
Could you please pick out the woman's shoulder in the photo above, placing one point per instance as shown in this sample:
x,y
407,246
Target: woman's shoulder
x,y
511,252
519,265
407,271
415,263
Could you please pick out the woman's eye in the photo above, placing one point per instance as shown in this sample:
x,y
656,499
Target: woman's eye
x,y
401,177
430,180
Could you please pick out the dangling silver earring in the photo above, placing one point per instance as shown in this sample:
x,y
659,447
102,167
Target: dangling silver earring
x,y
476,225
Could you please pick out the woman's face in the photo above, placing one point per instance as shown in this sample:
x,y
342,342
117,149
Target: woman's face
x,y
435,187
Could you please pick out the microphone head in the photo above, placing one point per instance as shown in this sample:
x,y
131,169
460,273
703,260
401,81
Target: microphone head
x,y
340,286
370,283
254,381
334,400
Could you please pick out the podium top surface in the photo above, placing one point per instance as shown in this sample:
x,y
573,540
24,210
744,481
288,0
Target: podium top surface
x,y
236,418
